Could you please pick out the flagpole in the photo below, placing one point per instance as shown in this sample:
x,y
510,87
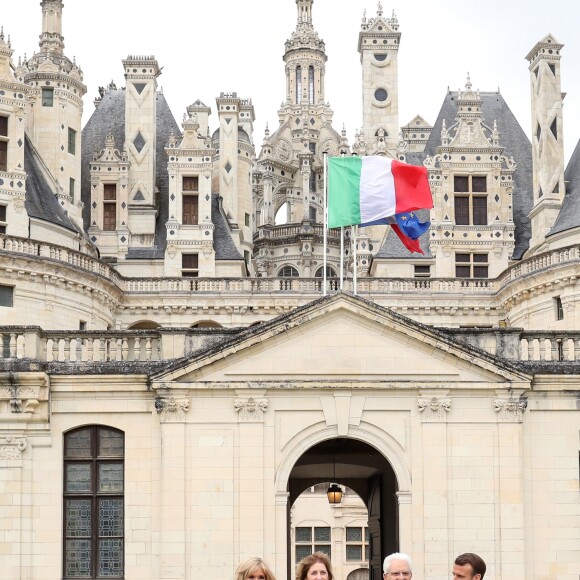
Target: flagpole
x,y
354,232
325,219
341,255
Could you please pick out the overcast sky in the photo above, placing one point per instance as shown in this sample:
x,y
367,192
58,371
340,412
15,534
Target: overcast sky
x,y
236,45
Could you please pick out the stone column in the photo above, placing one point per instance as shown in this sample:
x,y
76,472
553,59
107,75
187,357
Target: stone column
x,y
11,465
173,517
250,463
282,524
405,522
435,534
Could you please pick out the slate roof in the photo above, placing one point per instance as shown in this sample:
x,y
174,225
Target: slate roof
x,y
569,216
110,116
516,144
224,246
40,201
243,137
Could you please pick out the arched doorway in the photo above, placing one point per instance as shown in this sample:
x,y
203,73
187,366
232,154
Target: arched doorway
x,y
361,467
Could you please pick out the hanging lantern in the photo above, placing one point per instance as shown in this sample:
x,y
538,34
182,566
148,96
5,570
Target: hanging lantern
x,y
334,494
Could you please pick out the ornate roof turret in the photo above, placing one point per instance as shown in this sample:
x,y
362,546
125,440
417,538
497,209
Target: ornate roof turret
x,y
304,37
6,52
50,59
386,28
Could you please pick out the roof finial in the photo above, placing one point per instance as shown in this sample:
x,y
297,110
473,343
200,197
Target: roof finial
x,y
468,84
379,9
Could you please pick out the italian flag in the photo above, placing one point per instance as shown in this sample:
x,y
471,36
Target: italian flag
x,y
362,190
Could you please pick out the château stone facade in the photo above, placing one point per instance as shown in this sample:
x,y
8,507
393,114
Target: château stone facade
x,y
175,370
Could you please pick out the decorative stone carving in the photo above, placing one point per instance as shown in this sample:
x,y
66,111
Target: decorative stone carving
x,y
12,447
171,410
22,399
433,409
510,410
250,410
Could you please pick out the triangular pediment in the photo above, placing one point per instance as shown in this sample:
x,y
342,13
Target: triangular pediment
x,y
342,339
379,25
417,122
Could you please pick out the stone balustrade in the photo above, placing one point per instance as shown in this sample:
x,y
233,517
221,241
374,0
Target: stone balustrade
x,y
60,254
306,286
80,346
550,346
31,342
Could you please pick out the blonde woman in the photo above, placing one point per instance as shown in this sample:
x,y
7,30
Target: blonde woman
x,y
254,569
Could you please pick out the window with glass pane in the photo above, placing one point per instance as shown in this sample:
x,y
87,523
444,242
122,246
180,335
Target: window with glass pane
x,y
470,209
463,265
480,268
304,534
322,534
190,183
461,183
298,85
288,272
311,85
3,126
190,265
2,219
109,217
356,547
3,155
462,210
478,183
109,207
190,210
7,296
47,97
559,307
309,540
479,204
422,271
471,265
72,141
93,503
330,273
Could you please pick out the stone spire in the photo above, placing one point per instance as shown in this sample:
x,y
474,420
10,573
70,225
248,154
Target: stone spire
x,y
5,58
51,39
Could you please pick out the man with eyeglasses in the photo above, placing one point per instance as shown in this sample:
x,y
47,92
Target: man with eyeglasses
x,y
397,565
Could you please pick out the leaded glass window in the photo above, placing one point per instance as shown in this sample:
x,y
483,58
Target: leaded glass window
x,y
94,503
309,540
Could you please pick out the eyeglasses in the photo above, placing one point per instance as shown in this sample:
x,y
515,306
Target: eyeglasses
x,y
399,574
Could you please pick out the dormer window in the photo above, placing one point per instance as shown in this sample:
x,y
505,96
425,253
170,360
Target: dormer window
x,y
109,207
470,200
190,207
